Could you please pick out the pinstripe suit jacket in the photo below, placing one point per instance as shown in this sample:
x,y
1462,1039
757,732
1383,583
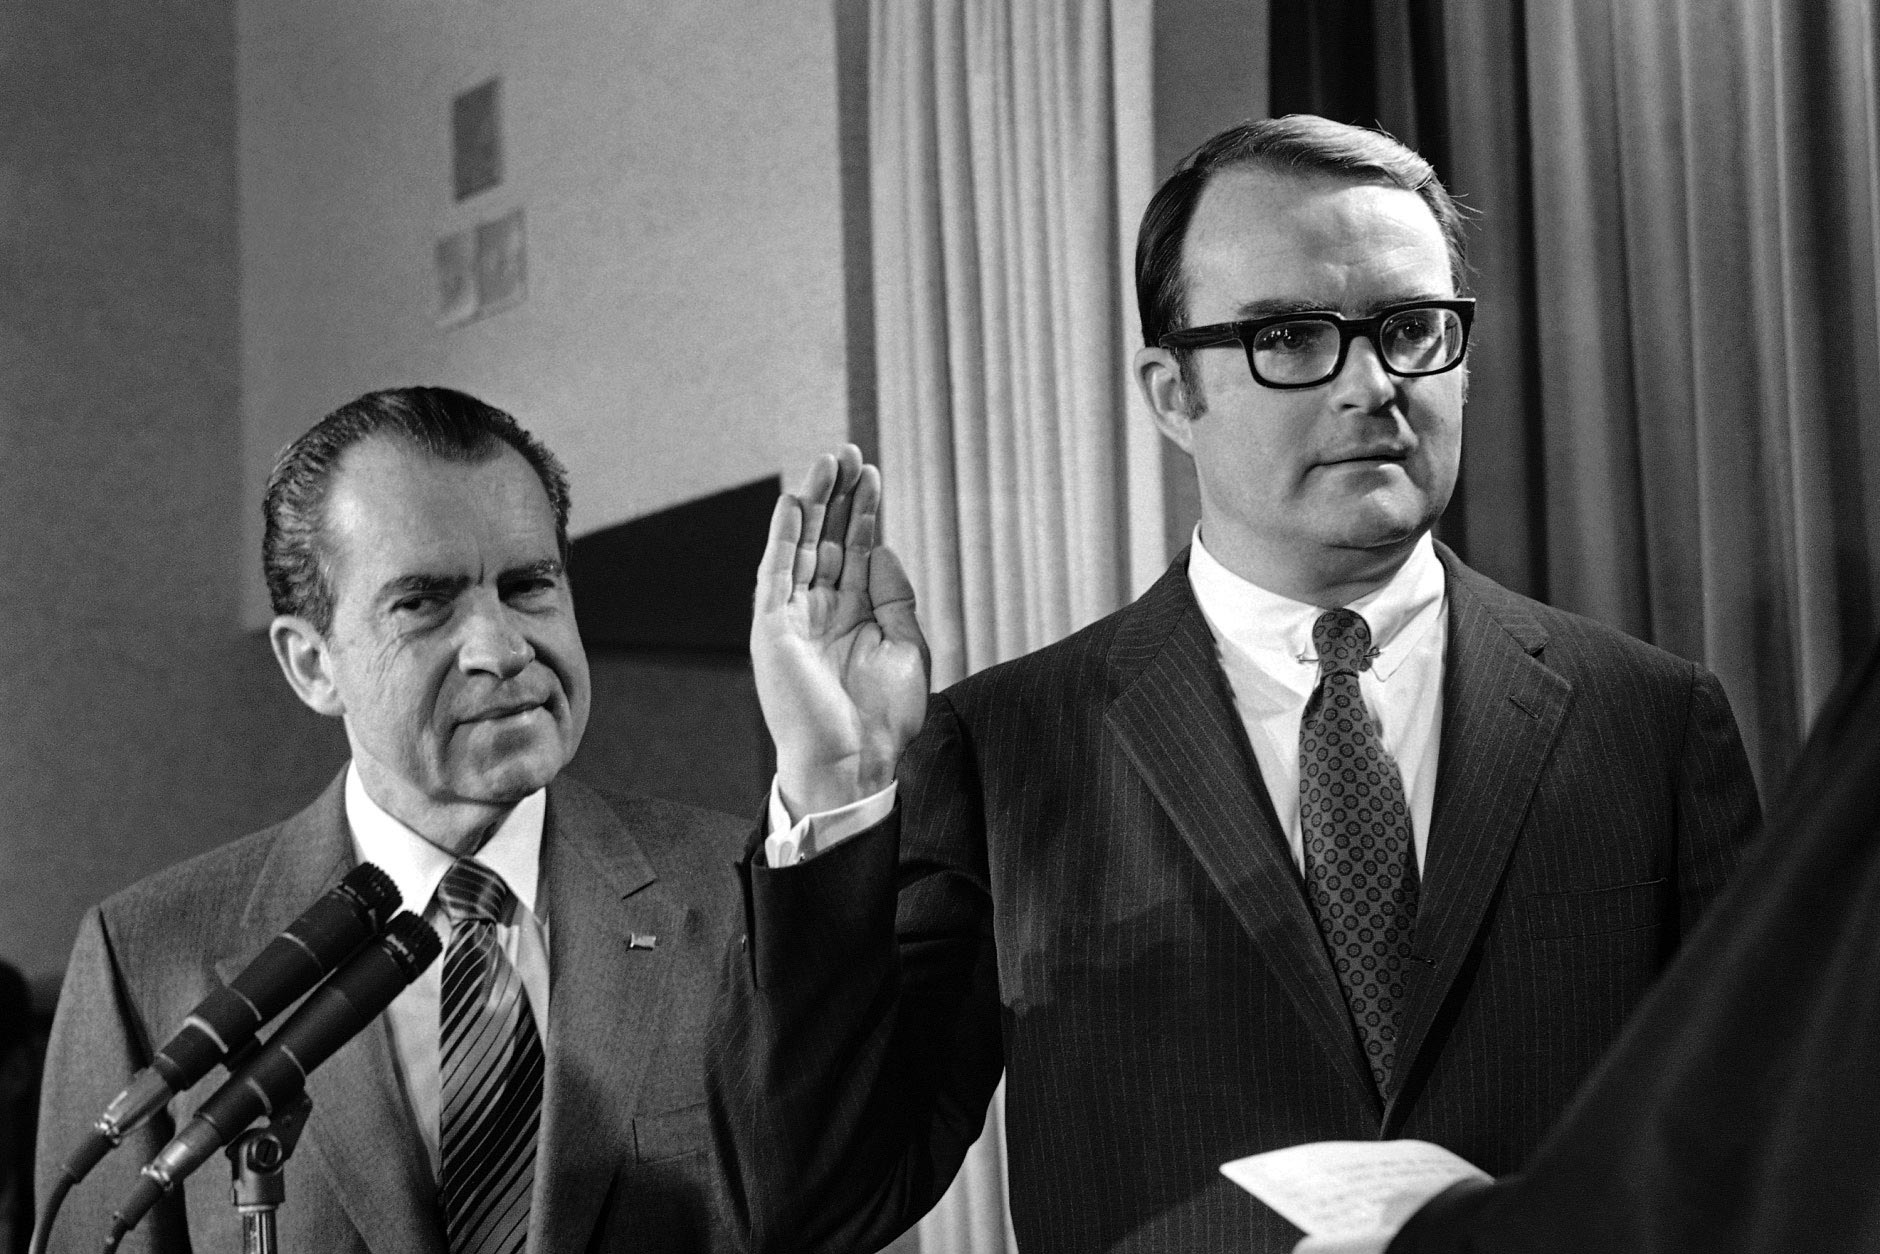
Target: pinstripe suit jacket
x,y
1093,892
624,1162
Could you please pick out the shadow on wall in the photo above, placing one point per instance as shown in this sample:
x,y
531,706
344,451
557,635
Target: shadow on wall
x,y
664,604
683,726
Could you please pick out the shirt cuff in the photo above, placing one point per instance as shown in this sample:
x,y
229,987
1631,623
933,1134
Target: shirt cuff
x,y
792,842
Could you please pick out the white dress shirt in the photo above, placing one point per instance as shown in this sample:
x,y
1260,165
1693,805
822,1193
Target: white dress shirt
x,y
797,840
1264,643
514,852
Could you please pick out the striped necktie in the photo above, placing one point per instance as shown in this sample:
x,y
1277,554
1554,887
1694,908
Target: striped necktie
x,y
491,1064
1360,853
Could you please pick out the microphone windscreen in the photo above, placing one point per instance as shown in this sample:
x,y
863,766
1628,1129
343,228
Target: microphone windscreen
x,y
329,932
336,1012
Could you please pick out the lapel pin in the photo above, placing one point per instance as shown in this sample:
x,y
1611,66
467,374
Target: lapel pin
x,y
642,940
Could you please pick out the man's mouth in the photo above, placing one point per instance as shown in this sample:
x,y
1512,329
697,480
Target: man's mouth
x,y
1369,455
509,710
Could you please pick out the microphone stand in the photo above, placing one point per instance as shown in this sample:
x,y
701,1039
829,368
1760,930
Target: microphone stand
x,y
258,1161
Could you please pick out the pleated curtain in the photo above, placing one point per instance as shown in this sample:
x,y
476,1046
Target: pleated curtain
x,y
997,318
1707,236
1673,424
1000,357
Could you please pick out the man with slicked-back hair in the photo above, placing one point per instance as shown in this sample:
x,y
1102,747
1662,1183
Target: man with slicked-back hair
x,y
1324,837
539,1086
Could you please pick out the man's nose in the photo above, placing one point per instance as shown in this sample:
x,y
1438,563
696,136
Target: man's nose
x,y
491,643
1363,382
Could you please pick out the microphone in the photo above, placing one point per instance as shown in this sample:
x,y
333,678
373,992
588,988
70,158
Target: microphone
x,y
351,913
333,1015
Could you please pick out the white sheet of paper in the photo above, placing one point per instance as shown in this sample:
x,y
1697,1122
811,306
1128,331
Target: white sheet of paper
x,y
1350,1188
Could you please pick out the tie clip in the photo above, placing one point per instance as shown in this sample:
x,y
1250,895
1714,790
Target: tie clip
x,y
1365,662
642,940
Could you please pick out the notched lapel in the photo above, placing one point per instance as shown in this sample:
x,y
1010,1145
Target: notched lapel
x,y
606,1007
366,1139
361,1132
1502,711
1176,722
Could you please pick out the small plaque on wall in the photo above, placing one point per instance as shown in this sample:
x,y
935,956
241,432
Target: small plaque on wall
x,y
502,263
476,139
482,269
456,278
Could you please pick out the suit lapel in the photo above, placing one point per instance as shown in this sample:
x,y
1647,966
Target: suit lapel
x,y
361,1132
1502,710
606,1002
1176,722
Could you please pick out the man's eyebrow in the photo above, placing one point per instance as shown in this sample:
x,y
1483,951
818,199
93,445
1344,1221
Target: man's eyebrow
x,y
1277,305
407,585
545,568
1287,305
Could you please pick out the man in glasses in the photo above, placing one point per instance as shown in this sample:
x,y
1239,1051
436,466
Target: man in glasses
x,y
1325,837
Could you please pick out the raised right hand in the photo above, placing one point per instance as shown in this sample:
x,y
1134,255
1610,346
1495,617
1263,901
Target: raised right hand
x,y
840,661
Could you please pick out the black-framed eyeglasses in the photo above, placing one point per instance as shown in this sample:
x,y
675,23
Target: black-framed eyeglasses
x,y
1303,350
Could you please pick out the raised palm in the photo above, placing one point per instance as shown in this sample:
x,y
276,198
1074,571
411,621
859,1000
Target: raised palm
x,y
840,661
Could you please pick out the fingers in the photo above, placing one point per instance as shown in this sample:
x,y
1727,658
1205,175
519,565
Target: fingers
x,y
775,570
813,497
864,525
827,500
833,538
868,492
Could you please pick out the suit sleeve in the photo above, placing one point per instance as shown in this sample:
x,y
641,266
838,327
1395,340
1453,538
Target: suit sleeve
x,y
1718,809
857,1041
98,1041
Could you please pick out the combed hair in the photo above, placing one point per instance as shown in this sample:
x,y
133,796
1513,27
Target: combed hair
x,y
441,422
1299,143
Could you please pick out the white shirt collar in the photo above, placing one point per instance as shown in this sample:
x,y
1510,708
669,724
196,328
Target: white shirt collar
x,y
513,851
1276,631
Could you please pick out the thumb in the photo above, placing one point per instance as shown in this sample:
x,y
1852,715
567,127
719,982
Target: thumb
x,y
891,594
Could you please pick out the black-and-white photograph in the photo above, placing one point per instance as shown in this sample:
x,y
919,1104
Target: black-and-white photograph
x,y
940,626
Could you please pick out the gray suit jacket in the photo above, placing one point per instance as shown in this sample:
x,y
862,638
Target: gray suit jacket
x,y
625,1161
1088,889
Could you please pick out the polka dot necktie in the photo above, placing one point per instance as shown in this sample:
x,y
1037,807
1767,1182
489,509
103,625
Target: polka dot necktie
x,y
1360,859
491,1072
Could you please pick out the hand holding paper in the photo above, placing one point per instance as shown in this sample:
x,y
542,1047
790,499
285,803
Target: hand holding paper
x,y
1371,1243
1351,1197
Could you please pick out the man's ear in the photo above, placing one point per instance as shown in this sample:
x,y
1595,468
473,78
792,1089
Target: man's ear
x,y
307,662
1159,378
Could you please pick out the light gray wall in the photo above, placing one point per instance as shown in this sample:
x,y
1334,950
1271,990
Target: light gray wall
x,y
137,723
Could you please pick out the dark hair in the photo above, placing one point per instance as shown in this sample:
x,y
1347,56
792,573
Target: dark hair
x,y
443,423
1300,144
